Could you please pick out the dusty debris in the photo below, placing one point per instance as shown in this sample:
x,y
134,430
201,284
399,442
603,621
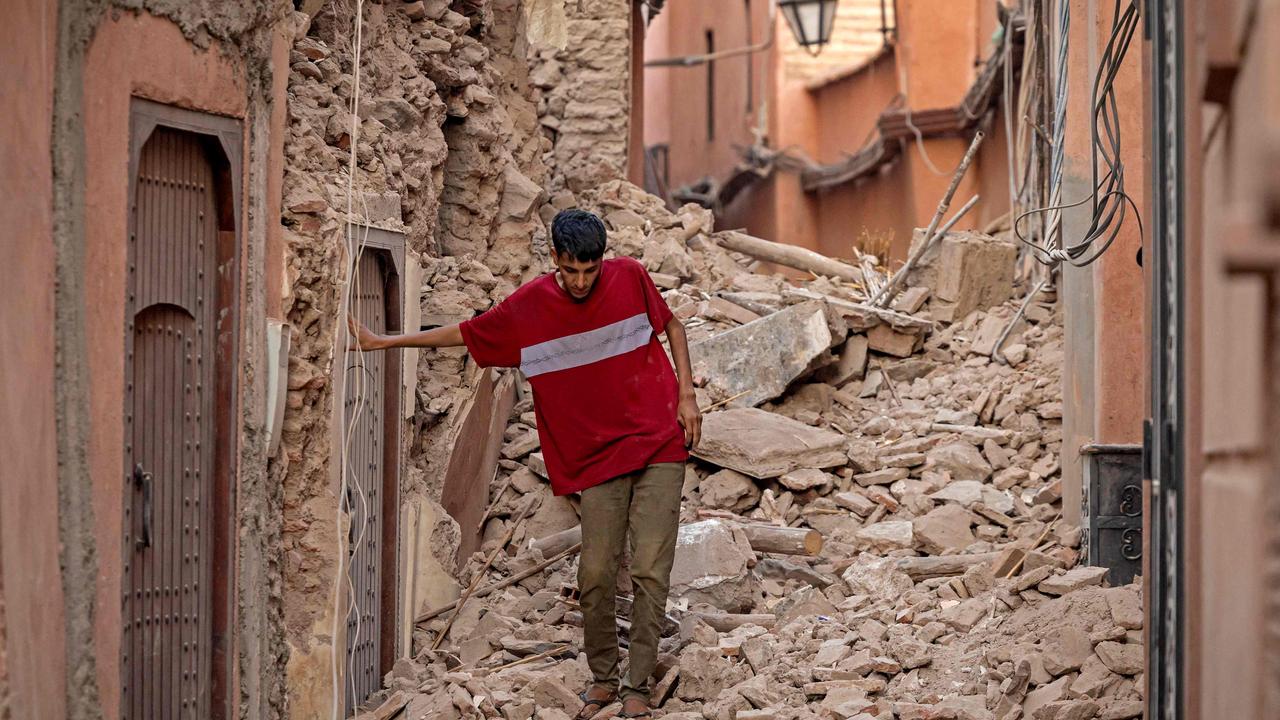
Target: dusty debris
x,y
879,538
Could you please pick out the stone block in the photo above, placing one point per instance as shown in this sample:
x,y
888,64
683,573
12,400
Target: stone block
x,y
888,535
851,362
961,460
944,528
878,578
1126,607
887,476
729,490
1121,658
974,272
765,445
1072,580
757,361
711,566
1066,649
883,338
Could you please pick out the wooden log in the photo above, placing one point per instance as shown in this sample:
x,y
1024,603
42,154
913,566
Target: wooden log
x,y
763,538
783,540
789,255
923,568
388,709
870,313
466,594
555,544
728,622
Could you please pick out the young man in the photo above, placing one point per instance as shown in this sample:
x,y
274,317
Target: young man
x,y
614,421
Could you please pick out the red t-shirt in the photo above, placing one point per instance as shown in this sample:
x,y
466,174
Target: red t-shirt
x,y
603,389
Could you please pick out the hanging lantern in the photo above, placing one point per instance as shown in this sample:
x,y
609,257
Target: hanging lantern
x,y
811,21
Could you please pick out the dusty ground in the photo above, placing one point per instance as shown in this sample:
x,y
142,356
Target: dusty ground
x,y
946,586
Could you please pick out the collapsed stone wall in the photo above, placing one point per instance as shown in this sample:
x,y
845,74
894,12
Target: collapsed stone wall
x,y
450,153
586,93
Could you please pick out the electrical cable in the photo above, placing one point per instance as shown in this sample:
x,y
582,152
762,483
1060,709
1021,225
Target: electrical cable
x,y
349,283
1108,200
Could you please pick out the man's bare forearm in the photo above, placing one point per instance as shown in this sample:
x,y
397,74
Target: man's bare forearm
x,y
680,353
449,336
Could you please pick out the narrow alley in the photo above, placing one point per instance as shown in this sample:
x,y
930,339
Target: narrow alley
x,y
328,326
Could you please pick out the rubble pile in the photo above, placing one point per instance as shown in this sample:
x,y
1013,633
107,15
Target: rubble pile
x,y
872,525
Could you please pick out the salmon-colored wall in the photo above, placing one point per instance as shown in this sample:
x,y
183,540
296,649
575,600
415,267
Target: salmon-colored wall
x,y
1232,362
143,56
677,95
932,63
849,107
29,564
991,176
1105,357
936,45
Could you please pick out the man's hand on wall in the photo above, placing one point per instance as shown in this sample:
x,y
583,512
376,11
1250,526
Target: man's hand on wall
x,y
362,338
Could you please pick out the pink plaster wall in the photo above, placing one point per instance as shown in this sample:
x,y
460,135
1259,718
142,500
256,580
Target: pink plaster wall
x,y
143,56
29,568
937,46
938,43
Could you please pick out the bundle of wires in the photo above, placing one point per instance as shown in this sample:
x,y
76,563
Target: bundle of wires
x,y
1108,201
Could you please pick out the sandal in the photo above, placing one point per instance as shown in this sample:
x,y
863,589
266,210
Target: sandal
x,y
592,706
647,712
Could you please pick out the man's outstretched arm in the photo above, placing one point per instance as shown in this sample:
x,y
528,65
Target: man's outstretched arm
x,y
687,413
366,339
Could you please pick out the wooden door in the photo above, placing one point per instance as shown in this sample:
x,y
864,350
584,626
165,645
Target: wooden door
x,y
170,432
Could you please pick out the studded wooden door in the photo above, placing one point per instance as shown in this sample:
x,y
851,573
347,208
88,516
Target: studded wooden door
x,y
169,432
364,414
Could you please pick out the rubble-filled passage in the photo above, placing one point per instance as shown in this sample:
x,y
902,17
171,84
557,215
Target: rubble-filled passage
x,y
872,527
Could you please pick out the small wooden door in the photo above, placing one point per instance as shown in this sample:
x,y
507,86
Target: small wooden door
x,y
170,432
364,410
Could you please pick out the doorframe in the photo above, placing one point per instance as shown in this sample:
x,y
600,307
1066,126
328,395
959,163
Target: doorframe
x,y
1164,431
224,136
390,245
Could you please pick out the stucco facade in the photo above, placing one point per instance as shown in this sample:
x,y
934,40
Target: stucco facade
x,y
824,109
1232,274
82,68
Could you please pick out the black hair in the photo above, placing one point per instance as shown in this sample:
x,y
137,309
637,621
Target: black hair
x,y
578,233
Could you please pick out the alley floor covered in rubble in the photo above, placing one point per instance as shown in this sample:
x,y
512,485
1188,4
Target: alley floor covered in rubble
x,y
872,526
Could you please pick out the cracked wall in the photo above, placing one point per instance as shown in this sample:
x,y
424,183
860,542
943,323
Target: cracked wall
x,y
449,153
585,85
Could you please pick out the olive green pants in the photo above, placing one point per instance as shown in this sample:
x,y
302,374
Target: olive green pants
x,y
646,502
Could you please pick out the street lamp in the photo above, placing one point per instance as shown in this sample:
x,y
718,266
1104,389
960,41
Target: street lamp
x,y
810,21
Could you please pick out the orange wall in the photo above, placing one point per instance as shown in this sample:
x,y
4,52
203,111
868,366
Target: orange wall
x,y
31,580
1103,323
933,61
936,42
677,97
850,107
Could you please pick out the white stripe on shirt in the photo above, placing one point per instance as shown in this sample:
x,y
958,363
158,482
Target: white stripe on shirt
x,y
585,348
